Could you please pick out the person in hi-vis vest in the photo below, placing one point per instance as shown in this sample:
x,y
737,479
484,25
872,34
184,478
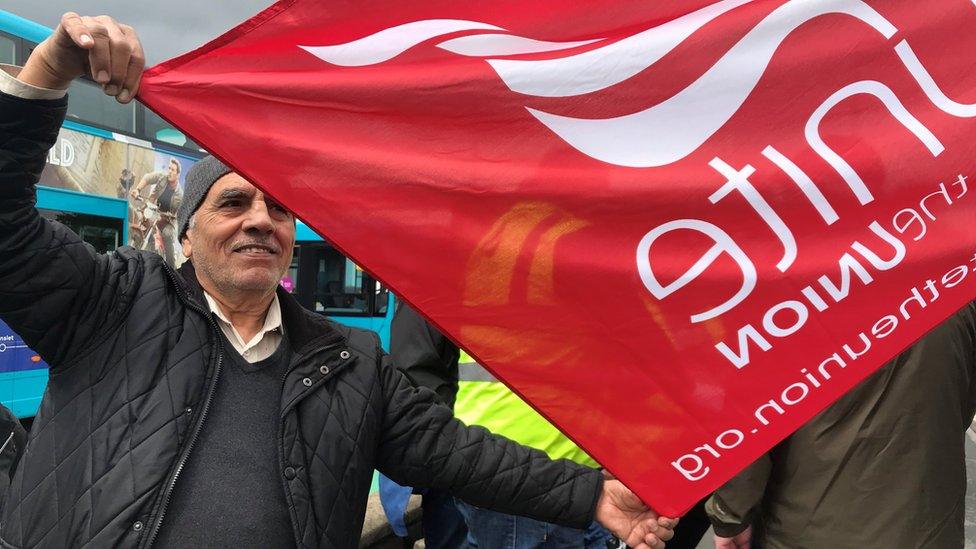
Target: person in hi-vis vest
x,y
483,400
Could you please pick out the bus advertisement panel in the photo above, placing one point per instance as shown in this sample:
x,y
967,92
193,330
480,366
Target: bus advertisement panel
x,y
23,375
85,163
150,180
154,188
15,356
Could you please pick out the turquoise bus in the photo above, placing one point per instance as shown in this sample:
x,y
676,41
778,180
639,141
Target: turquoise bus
x,y
103,150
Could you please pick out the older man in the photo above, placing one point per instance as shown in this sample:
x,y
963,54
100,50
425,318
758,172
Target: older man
x,y
202,407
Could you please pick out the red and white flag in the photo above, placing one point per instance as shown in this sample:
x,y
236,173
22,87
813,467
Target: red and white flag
x,y
678,229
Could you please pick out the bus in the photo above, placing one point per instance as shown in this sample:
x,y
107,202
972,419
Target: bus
x,y
103,154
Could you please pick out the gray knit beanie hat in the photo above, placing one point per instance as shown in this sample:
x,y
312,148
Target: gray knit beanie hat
x,y
199,179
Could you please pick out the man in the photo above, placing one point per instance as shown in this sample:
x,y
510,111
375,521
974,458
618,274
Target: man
x,y
202,407
882,467
165,193
126,180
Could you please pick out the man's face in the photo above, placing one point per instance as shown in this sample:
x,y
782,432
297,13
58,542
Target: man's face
x,y
173,173
241,240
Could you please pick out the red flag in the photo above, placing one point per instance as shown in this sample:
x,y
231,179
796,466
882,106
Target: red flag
x,y
679,230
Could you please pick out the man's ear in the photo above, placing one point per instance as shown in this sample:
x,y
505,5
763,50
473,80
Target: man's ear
x,y
187,247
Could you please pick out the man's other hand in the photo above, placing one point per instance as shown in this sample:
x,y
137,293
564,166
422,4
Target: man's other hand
x,y
99,46
623,513
741,541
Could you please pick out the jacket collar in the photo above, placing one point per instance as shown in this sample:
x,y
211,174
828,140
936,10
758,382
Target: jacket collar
x,y
305,329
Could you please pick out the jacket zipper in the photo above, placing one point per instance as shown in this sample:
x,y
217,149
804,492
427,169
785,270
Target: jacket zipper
x,y
203,413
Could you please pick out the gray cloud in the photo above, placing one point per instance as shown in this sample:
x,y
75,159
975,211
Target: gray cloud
x,y
167,27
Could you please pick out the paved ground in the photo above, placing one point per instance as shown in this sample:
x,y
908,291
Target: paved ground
x,y
970,497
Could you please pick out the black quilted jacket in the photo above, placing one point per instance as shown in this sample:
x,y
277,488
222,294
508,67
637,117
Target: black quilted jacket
x,y
134,362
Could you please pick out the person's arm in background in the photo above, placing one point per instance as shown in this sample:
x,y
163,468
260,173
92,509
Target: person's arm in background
x,y
733,507
426,356
138,187
50,278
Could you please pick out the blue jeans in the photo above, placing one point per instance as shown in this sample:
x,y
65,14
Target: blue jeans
x,y
443,524
492,530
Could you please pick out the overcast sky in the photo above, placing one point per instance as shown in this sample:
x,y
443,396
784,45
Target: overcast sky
x,y
167,27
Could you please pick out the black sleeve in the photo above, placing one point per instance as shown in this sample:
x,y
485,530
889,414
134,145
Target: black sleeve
x,y
423,353
54,290
424,446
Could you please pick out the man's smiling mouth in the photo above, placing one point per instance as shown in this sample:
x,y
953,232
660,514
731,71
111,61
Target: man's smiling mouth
x,y
255,249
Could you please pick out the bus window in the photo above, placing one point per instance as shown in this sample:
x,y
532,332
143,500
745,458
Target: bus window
x,y
88,104
8,50
103,233
329,283
382,301
339,285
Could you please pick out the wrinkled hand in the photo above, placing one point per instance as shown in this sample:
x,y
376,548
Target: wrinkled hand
x,y
109,51
623,513
741,541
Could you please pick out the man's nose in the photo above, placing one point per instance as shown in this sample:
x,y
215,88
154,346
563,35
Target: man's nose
x,y
258,218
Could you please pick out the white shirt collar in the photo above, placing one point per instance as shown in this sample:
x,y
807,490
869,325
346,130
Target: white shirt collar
x,y
272,320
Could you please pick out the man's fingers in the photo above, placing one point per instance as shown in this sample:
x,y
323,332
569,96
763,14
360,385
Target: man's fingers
x,y
663,527
636,537
75,30
653,541
100,54
119,52
97,45
643,532
137,61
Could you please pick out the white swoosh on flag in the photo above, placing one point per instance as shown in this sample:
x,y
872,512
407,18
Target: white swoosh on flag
x,y
389,43
601,68
674,128
484,45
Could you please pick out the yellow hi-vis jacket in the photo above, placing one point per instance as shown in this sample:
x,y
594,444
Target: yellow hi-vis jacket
x,y
483,400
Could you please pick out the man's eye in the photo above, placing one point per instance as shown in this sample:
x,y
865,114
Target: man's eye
x,y
231,204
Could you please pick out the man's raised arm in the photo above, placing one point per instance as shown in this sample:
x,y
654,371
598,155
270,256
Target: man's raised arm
x,y
49,279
